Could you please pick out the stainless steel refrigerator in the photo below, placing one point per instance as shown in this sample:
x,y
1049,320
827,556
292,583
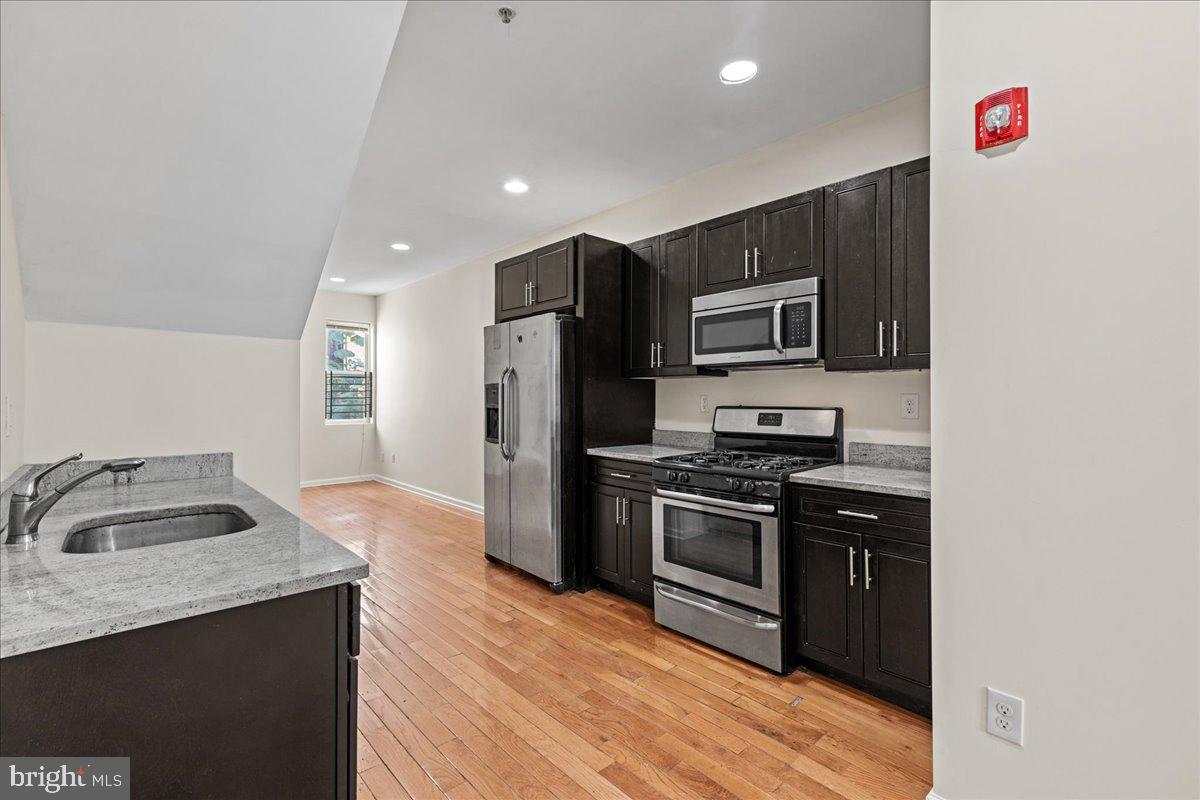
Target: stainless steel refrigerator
x,y
529,444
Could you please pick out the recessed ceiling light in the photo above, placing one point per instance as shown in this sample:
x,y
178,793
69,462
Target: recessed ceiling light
x,y
738,71
516,187
401,246
338,280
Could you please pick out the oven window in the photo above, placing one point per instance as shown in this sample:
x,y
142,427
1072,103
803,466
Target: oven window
x,y
735,331
717,545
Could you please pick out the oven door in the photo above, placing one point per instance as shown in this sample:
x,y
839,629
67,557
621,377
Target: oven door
x,y
726,548
784,330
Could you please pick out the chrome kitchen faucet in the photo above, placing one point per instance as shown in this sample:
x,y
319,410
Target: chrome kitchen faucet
x,y
28,505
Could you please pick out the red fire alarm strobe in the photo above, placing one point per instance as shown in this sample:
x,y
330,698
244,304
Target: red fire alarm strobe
x,y
1002,118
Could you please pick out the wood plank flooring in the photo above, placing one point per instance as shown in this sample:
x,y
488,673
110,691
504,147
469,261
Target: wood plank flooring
x,y
476,682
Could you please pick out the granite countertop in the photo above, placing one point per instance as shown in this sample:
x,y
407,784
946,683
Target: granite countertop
x,y
869,478
646,453
50,598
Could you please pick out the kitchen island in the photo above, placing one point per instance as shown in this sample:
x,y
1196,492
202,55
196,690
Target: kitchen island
x,y
222,666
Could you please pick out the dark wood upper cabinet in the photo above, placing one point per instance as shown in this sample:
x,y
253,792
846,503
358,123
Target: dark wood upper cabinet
x,y
788,238
677,257
552,276
723,253
858,272
512,287
641,308
830,596
533,283
896,615
910,265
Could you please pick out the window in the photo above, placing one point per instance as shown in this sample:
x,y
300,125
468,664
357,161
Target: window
x,y
348,383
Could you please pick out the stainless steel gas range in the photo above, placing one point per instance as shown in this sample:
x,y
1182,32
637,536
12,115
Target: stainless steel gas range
x,y
719,550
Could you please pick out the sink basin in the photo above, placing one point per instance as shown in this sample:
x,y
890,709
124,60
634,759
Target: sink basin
x,y
155,526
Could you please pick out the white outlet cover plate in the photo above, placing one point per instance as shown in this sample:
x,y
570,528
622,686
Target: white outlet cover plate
x,y
910,406
1006,716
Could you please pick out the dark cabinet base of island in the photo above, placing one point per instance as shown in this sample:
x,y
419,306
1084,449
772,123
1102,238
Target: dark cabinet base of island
x,y
248,702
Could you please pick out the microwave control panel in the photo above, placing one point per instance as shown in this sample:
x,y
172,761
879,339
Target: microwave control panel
x,y
798,325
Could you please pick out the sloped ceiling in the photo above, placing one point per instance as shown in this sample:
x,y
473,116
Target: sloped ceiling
x,y
183,165
592,104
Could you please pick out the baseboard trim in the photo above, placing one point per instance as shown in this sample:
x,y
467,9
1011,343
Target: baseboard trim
x,y
332,481
432,495
933,796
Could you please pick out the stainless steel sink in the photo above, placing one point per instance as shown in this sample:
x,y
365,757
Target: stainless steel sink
x,y
155,526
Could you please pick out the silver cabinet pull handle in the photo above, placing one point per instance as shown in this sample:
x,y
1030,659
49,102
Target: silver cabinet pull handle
x,y
652,355
617,500
777,325
532,293
758,623
621,475
625,502
852,575
859,514
660,354
867,567
881,338
746,263
895,338
756,262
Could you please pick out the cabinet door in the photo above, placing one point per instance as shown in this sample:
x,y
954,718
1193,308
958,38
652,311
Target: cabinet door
x,y
641,307
639,532
552,271
910,265
896,625
606,533
512,276
830,596
723,253
677,264
858,273
788,234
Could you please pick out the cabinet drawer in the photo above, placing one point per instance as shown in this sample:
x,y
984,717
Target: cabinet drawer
x,y
863,512
629,474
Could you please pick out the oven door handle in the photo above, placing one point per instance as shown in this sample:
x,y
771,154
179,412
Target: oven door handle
x,y
759,508
759,624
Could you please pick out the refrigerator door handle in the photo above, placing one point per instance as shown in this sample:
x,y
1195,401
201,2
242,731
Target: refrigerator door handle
x,y
501,413
509,406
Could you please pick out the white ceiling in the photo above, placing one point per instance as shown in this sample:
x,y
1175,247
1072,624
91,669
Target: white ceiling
x,y
592,104
182,165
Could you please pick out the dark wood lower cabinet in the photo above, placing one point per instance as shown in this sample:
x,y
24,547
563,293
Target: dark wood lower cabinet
x,y
862,591
831,603
249,702
896,614
621,527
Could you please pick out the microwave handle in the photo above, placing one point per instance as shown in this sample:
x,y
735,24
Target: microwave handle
x,y
777,326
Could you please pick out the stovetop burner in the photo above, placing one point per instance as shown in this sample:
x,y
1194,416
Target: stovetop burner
x,y
734,461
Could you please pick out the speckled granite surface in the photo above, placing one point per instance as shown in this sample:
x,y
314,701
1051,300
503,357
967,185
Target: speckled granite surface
x,y
694,440
158,468
868,478
639,452
900,456
48,597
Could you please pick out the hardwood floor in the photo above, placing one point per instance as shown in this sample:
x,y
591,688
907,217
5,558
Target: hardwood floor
x,y
477,682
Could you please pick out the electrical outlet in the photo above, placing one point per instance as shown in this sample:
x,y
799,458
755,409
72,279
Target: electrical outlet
x,y
910,406
703,404
1006,716
393,458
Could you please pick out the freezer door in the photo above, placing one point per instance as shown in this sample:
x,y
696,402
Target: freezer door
x,y
496,529
536,445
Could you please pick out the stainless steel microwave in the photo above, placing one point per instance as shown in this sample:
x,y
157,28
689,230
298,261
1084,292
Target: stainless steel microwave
x,y
769,325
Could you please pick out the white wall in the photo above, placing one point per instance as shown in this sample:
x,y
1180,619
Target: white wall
x,y
432,330
133,392
340,451
12,334
1065,281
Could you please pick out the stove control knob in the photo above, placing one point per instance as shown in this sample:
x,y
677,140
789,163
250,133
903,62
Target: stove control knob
x,y
671,476
737,485
684,477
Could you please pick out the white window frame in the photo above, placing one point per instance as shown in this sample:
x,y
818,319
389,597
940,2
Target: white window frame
x,y
370,329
